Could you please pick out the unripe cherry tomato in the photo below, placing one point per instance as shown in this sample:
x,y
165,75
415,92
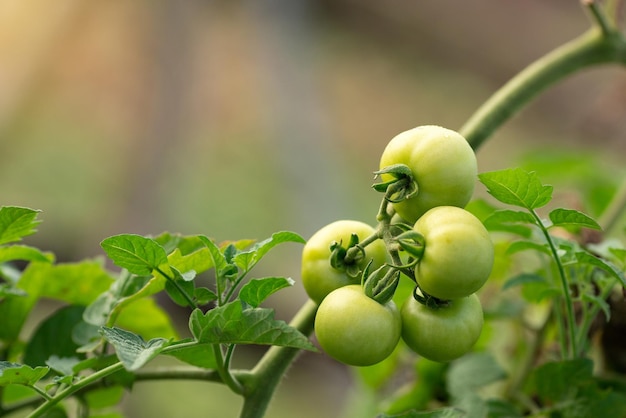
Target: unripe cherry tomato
x,y
355,329
444,333
442,163
458,253
319,278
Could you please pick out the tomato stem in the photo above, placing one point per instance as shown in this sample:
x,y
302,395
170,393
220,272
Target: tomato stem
x,y
591,48
268,372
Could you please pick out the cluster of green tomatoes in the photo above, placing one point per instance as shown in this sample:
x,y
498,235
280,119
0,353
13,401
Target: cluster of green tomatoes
x,y
352,269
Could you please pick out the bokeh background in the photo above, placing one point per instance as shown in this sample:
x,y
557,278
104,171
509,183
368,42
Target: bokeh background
x,y
236,119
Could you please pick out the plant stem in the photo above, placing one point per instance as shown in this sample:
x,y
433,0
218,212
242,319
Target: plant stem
x,y
591,48
50,403
569,305
224,371
269,371
598,16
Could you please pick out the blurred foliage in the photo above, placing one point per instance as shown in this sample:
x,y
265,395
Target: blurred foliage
x,y
107,108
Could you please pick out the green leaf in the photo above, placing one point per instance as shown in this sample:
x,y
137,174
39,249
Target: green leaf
x,y
601,303
20,374
257,290
509,216
198,261
131,349
145,317
199,355
53,336
222,266
499,408
103,398
471,372
517,187
522,279
74,283
16,223
231,324
63,365
557,381
587,258
203,296
567,217
247,259
139,255
25,253
519,246
510,221
619,253
438,413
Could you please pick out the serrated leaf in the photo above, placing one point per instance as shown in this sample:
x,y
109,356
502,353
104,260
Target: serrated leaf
x,y
257,290
510,221
199,355
555,381
567,217
517,187
509,216
203,295
437,413
135,253
231,324
217,257
53,336
24,253
17,222
608,267
175,293
131,349
519,246
472,372
198,261
523,278
63,365
246,260
20,374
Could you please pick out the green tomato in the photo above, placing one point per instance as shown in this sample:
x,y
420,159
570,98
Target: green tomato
x,y
355,329
443,165
319,278
444,333
458,253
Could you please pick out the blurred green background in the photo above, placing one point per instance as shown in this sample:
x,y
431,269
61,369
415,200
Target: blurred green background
x,y
237,119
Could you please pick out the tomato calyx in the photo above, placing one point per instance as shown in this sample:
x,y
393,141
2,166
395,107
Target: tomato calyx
x,y
381,284
413,243
429,300
347,258
402,185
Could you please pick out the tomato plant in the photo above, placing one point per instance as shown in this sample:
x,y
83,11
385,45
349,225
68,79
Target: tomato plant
x,y
319,276
442,333
355,329
549,342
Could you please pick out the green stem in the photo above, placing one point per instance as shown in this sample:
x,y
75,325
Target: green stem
x,y
224,371
50,403
599,16
591,48
569,305
268,372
